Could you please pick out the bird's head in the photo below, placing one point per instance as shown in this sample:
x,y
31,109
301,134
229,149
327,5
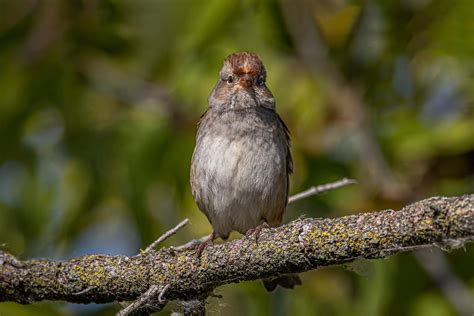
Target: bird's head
x,y
242,83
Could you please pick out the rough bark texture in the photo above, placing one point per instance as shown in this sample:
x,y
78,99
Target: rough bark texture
x,y
301,245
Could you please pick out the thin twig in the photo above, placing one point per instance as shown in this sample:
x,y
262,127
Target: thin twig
x,y
320,189
162,293
140,302
86,290
166,235
145,299
190,243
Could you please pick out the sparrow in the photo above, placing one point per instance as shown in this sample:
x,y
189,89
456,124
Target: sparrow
x,y
242,160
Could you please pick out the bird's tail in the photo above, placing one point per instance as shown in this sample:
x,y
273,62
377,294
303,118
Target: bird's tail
x,y
287,281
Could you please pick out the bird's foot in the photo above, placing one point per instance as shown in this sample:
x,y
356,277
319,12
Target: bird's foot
x,y
207,242
257,230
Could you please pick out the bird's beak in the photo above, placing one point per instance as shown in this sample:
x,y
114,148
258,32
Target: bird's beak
x,y
246,81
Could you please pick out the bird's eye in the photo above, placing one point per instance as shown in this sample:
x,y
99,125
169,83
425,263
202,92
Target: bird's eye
x,y
260,81
230,79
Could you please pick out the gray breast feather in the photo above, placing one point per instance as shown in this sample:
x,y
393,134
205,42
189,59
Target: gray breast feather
x,y
239,172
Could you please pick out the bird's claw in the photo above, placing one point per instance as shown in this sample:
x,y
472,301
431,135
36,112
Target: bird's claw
x,y
208,242
257,230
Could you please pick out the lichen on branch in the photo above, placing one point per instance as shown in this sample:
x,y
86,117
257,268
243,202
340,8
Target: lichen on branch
x,y
301,245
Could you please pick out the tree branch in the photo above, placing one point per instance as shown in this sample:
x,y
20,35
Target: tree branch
x,y
166,235
301,245
320,189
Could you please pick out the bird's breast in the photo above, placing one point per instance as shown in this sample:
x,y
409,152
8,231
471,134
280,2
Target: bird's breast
x,y
240,173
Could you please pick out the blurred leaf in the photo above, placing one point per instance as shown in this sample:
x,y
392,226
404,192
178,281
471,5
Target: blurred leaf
x,y
337,26
431,304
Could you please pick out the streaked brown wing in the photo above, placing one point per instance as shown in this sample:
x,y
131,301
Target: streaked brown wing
x,y
289,159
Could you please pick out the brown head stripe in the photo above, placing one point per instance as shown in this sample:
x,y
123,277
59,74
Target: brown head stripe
x,y
245,63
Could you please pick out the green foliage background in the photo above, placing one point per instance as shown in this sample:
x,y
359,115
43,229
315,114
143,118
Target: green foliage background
x,y
99,101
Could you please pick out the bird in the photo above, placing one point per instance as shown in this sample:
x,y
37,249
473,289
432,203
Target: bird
x,y
241,162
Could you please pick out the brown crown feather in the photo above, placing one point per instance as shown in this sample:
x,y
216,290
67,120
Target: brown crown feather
x,y
245,63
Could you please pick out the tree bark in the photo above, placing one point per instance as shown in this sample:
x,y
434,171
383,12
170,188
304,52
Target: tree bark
x,y
301,245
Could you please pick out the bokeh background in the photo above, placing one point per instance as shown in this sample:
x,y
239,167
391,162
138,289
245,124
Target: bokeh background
x,y
98,108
